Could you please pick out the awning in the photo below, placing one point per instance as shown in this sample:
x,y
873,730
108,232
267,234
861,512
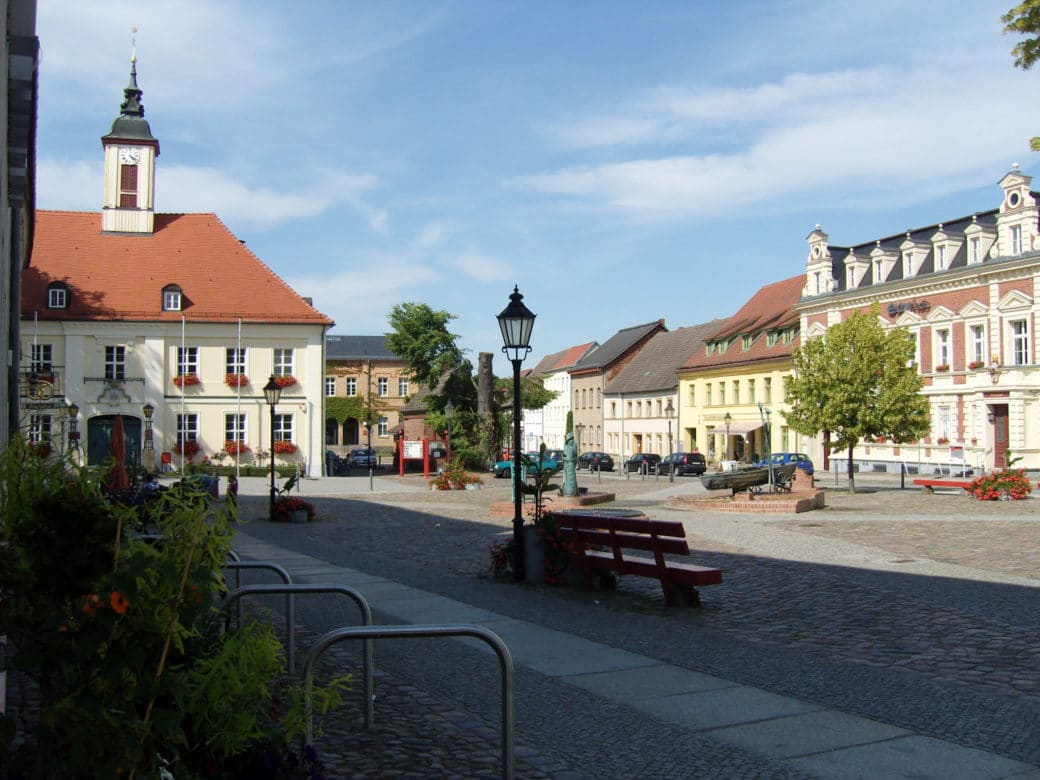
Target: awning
x,y
737,427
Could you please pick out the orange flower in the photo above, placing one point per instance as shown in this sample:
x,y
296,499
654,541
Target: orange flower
x,y
118,602
91,603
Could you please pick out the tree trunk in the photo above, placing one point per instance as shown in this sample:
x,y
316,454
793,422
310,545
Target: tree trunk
x,y
485,407
852,481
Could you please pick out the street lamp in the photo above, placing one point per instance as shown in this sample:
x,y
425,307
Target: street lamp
x,y
516,322
449,410
149,448
273,393
764,413
727,419
73,423
669,410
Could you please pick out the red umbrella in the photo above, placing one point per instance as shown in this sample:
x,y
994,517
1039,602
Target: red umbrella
x,y
119,479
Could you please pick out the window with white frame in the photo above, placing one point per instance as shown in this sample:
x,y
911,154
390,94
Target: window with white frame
x,y
57,297
235,428
751,391
975,249
283,362
235,360
187,360
707,394
115,364
1016,239
382,386
942,422
613,408
187,428
1020,342
330,386
351,386
171,298
628,409
977,343
722,393
283,427
39,428
940,257
402,387
942,347
40,358
382,426
736,391
768,389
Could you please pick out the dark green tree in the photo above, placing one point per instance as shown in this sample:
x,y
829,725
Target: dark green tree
x,y
420,335
1024,19
856,382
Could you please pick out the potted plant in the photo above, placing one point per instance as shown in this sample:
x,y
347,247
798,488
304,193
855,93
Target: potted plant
x,y
189,448
942,440
975,364
285,380
293,509
943,367
236,380
284,447
236,448
186,380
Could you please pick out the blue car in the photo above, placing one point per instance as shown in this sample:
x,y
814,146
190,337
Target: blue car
x,y
799,458
504,468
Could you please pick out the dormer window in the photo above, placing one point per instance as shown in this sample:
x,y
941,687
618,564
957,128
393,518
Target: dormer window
x,y
975,249
1016,239
940,257
745,342
171,299
57,297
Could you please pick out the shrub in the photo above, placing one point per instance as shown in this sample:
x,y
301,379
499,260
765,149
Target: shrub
x,y
1006,485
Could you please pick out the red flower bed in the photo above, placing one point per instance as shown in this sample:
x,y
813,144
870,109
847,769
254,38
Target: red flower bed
x,y
185,380
285,381
236,380
1006,485
283,447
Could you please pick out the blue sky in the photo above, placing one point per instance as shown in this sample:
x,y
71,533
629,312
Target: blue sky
x,y
621,161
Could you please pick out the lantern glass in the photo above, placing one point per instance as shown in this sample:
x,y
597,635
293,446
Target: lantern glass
x,y
516,323
272,391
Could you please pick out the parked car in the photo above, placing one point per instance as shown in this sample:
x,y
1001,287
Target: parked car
x,y
504,468
643,460
556,455
684,463
595,461
363,458
800,458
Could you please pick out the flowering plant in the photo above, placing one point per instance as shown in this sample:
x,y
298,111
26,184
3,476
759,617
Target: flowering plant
x,y
501,557
190,448
943,367
236,380
40,449
236,447
976,364
184,380
284,506
454,477
942,440
285,380
558,548
283,447
1005,485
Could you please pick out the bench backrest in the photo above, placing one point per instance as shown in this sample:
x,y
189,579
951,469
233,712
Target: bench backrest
x,y
634,533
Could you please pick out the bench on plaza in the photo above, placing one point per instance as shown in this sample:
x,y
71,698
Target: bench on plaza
x,y
929,485
617,532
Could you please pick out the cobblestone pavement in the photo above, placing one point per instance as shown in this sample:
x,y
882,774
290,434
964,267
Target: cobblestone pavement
x,y
917,610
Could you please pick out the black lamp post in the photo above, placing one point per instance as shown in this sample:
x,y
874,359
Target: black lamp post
x,y
516,322
74,423
273,393
669,410
149,447
728,419
371,457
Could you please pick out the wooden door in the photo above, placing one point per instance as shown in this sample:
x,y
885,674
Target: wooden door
x,y
1000,435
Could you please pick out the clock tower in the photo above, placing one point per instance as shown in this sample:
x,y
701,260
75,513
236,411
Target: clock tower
x,y
130,152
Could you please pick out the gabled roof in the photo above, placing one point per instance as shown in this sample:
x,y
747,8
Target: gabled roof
x,y
653,367
615,347
112,276
358,348
769,309
562,360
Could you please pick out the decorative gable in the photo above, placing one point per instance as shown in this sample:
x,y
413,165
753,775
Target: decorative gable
x,y
1017,216
913,254
980,240
944,248
882,261
819,273
855,269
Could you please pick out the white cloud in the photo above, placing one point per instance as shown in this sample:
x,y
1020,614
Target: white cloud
x,y
478,266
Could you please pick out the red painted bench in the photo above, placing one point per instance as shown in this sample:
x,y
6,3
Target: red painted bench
x,y
617,535
929,485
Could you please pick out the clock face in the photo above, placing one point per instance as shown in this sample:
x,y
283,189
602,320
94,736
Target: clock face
x,y
129,156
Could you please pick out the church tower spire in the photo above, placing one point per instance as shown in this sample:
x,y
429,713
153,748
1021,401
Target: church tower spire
x,y
130,152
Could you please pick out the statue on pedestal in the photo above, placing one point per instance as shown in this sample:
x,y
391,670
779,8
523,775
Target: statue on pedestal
x,y
570,466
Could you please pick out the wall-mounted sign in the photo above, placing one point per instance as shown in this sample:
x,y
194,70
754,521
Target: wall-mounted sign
x,y
918,307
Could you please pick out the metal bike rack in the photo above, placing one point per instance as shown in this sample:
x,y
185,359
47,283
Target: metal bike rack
x,y
290,621
238,565
368,632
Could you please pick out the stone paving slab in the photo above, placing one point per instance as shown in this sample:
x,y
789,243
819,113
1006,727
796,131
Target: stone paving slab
x,y
711,709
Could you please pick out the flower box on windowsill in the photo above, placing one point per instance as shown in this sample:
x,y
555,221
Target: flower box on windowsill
x,y
943,368
186,380
285,381
235,448
942,441
236,380
283,447
189,448
976,364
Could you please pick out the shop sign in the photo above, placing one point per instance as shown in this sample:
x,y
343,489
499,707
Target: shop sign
x,y
917,307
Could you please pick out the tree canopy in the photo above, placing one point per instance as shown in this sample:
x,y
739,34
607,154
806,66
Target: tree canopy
x,y
420,335
1024,19
857,381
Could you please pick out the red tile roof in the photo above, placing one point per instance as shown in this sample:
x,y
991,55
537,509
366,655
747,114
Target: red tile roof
x,y
771,308
121,276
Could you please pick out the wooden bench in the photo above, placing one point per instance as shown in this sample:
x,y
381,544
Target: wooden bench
x,y
619,533
929,485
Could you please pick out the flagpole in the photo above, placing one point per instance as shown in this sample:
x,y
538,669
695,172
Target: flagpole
x,y
238,404
180,369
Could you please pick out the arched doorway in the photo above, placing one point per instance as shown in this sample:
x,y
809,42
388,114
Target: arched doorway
x,y
99,439
351,431
331,431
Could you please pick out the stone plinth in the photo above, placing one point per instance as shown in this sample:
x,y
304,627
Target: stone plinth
x,y
505,508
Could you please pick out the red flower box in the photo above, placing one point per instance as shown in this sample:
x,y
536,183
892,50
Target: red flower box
x,y
236,380
976,364
236,447
189,448
184,380
283,447
285,381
